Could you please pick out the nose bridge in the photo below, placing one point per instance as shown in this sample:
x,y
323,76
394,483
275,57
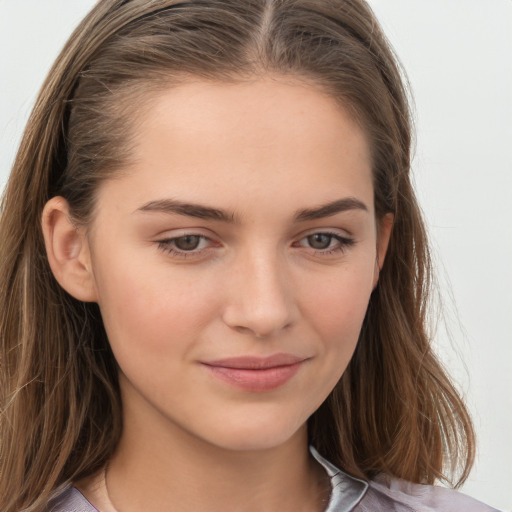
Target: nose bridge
x,y
260,293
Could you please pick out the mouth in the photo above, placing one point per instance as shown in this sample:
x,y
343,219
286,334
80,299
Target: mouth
x,y
256,374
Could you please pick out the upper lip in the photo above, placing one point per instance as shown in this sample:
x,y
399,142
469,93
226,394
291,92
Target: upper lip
x,y
255,362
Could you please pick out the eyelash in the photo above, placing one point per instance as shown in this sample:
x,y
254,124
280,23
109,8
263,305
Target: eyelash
x,y
343,244
168,245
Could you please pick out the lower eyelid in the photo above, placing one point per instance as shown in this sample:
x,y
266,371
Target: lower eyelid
x,y
342,245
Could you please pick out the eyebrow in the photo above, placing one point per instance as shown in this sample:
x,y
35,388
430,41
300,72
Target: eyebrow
x,y
329,209
172,206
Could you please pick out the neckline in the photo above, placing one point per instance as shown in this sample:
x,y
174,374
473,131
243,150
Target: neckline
x,y
346,491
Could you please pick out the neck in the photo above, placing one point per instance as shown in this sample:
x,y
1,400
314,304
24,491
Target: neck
x,y
196,476
158,466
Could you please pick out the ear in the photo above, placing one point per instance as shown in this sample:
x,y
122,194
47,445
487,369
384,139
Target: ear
x,y
68,252
384,228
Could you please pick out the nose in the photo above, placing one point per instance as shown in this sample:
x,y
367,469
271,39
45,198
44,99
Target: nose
x,y
260,298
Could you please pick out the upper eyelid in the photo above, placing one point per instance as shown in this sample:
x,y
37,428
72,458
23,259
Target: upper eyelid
x,y
176,237
168,235
172,234
335,236
336,232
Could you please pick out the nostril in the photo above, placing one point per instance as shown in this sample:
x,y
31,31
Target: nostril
x,y
258,325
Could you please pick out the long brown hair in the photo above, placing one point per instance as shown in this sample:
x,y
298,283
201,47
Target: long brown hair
x,y
394,410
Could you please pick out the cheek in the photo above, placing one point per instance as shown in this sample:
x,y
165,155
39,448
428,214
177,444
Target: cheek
x,y
334,313
144,307
337,309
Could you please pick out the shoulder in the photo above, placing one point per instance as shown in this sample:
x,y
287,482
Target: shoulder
x,y
387,494
71,500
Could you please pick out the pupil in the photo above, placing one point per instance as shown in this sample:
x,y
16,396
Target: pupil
x,y
187,243
319,241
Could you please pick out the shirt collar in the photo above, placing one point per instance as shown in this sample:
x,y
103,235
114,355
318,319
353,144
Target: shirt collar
x,y
346,491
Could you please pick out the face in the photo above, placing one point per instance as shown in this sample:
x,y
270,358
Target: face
x,y
234,260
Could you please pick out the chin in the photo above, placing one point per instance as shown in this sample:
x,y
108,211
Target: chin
x,y
257,435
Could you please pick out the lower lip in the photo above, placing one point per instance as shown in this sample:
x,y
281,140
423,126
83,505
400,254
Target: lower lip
x,y
260,380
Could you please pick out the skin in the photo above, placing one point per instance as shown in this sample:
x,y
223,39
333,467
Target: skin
x,y
256,283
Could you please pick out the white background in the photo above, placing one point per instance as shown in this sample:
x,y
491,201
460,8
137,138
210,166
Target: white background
x,y
458,54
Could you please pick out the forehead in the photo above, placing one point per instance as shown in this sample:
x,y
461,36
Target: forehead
x,y
254,111
258,137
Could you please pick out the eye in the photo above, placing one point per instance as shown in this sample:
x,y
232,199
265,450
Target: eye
x,y
185,245
325,243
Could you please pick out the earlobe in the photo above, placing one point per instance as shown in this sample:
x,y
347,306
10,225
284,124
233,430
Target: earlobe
x,y
383,236
67,250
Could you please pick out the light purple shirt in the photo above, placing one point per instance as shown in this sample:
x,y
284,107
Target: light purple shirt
x,y
348,494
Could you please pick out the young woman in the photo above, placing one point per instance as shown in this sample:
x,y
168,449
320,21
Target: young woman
x,y
214,275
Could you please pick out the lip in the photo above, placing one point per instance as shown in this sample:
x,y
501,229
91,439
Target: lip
x,y
256,374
